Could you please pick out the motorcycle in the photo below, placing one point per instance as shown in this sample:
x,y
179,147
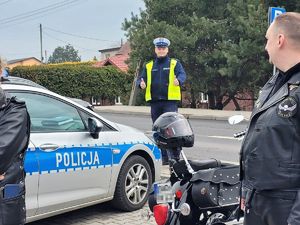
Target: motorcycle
x,y
200,192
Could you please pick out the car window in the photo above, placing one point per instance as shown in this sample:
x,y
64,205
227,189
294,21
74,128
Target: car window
x,y
85,118
50,115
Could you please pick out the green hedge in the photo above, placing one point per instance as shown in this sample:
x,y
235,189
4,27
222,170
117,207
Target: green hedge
x,y
79,80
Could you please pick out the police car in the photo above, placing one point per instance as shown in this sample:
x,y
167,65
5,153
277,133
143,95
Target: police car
x,y
77,158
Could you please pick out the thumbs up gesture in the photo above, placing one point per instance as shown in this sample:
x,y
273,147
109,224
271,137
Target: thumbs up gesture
x,y
142,84
176,82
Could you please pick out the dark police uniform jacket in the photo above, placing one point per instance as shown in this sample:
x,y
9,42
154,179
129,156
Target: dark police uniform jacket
x,y
160,80
14,139
270,154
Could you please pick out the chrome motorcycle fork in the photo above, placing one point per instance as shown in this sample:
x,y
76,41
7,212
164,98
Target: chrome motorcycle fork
x,y
188,165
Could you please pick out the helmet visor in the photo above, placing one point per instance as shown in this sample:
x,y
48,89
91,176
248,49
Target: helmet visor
x,y
177,129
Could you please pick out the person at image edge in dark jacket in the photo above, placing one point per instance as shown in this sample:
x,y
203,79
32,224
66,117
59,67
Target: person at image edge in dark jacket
x,y
270,153
162,78
14,139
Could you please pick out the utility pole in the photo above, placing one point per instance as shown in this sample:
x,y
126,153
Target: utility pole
x,y
132,99
41,41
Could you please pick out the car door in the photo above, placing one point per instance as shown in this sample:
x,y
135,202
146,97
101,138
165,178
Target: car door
x,y
74,168
31,181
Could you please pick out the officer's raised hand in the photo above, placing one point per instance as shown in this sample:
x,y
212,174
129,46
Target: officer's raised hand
x,y
142,84
176,82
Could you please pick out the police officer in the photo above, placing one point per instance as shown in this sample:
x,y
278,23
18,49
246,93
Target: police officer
x,y
270,154
162,78
3,71
14,138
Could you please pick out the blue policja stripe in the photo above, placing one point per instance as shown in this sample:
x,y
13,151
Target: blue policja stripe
x,y
67,158
155,150
31,163
124,147
77,157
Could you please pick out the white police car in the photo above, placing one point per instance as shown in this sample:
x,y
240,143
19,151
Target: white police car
x,y
76,158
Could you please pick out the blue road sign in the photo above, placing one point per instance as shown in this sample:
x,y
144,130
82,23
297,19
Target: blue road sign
x,y
274,12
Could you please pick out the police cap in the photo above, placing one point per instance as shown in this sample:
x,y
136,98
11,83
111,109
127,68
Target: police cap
x,y
161,42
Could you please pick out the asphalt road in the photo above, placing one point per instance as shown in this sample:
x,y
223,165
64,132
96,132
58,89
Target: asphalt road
x,y
213,138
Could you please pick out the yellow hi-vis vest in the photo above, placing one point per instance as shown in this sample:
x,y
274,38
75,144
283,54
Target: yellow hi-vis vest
x,y
174,92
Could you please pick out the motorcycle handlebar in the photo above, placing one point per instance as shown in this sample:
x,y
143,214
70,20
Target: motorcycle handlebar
x,y
239,134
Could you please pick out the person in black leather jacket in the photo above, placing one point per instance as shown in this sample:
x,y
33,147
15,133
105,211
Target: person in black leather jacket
x,y
14,139
270,154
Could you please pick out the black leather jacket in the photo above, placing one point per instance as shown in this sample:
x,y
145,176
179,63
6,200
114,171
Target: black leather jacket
x,y
270,156
14,139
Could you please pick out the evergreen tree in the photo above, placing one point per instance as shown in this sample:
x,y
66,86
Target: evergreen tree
x,y
219,42
64,54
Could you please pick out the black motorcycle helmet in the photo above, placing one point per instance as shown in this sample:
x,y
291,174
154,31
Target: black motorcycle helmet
x,y
172,130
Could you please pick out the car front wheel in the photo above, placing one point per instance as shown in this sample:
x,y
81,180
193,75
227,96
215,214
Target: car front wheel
x,y
133,185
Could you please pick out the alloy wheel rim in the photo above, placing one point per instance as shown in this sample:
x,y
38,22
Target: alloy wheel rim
x,y
136,184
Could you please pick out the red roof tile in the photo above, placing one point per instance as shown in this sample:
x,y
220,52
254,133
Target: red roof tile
x,y
118,61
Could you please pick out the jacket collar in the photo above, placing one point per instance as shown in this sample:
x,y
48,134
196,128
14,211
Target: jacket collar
x,y
162,60
263,104
293,70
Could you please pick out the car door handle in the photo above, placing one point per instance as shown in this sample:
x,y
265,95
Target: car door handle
x,y
49,147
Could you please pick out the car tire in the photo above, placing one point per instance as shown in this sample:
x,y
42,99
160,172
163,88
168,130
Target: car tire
x,y
133,184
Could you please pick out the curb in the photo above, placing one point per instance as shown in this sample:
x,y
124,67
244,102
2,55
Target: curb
x,y
187,112
121,112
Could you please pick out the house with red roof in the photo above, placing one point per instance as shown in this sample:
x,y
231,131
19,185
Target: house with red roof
x,y
116,56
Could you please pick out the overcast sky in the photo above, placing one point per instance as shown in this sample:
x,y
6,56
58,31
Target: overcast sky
x,y
63,22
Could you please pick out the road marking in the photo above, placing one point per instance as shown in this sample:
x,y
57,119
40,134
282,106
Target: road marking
x,y
223,137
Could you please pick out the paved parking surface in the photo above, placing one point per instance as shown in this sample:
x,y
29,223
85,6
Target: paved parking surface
x,y
103,214
97,215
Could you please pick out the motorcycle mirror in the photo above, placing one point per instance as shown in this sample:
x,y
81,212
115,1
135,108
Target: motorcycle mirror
x,y
235,119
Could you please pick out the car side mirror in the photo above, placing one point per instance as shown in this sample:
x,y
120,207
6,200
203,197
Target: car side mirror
x,y
95,126
235,119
